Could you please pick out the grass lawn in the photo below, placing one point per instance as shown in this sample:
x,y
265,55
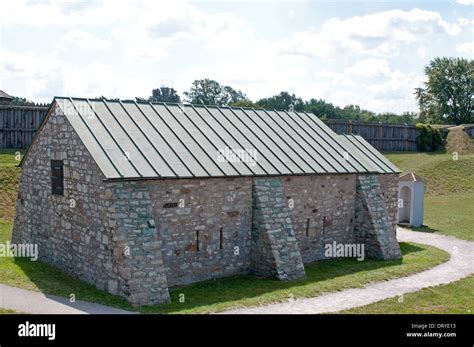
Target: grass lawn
x,y
9,179
449,200
449,210
226,293
456,297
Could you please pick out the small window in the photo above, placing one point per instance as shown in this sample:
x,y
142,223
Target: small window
x,y
221,239
307,227
197,241
57,177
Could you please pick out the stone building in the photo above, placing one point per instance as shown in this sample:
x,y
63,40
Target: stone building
x,y
136,198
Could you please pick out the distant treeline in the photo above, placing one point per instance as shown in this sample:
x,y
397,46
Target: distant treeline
x,y
210,92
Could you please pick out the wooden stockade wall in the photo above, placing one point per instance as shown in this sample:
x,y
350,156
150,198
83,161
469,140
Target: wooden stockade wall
x,y
384,137
18,124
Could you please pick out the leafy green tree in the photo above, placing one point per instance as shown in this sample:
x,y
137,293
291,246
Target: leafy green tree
x,y
447,96
322,108
164,94
282,101
210,92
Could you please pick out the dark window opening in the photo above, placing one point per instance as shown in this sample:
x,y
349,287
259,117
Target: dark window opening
x,y
170,205
197,240
221,239
57,177
307,227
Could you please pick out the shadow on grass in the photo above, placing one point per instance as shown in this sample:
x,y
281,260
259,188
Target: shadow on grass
x,y
243,287
222,292
53,281
424,229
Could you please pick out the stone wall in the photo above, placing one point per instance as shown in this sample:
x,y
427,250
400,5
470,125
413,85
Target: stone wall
x,y
389,187
205,226
72,231
138,269
373,224
321,209
275,251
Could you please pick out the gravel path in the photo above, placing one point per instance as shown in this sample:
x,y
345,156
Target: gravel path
x,y
26,301
460,265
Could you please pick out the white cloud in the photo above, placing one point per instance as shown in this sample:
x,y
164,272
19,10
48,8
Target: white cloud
x,y
371,67
465,2
466,48
380,33
85,40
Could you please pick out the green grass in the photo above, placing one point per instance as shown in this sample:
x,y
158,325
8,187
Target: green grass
x,y
449,210
456,297
442,174
9,180
221,294
449,201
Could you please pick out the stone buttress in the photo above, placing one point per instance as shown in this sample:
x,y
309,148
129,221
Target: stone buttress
x,y
274,250
373,226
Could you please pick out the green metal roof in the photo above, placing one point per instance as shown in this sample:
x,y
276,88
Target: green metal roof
x,y
130,140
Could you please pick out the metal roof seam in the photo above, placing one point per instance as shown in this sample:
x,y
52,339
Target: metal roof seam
x,y
320,145
350,139
114,139
225,142
374,154
331,136
268,161
95,138
167,125
212,143
281,138
238,142
149,141
181,141
130,137
304,160
195,141
310,145
269,149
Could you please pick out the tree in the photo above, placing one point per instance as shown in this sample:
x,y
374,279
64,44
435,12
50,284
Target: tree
x,y
210,92
282,101
447,96
164,94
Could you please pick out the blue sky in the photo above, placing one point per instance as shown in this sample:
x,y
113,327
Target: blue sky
x,y
369,53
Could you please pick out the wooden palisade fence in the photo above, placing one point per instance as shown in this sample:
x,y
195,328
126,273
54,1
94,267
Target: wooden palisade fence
x,y
383,136
18,124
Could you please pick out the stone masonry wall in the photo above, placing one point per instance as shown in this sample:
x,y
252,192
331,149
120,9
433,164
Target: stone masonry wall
x,y
72,231
205,227
389,187
321,209
138,263
275,251
373,226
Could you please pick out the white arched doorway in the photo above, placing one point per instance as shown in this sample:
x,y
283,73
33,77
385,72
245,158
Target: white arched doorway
x,y
405,195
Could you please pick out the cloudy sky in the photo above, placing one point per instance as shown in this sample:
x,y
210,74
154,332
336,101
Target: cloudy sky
x,y
369,53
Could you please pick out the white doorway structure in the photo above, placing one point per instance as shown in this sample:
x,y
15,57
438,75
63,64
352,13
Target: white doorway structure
x,y
411,191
